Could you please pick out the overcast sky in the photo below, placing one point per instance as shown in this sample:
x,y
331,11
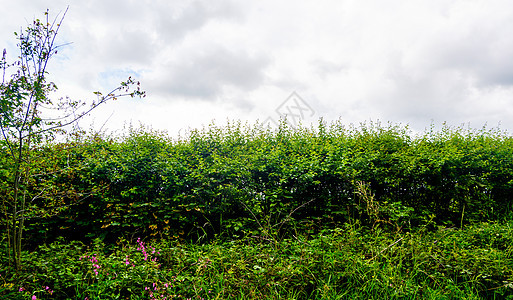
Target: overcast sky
x,y
412,62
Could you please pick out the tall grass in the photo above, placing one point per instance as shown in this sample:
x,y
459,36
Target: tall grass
x,y
350,262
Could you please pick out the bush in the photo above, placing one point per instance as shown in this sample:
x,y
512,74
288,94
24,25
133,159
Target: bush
x,y
248,180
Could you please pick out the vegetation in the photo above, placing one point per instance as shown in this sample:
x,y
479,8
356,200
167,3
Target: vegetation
x,y
344,263
237,180
245,212
29,118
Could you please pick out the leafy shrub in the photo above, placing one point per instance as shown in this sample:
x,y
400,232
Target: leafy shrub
x,y
242,180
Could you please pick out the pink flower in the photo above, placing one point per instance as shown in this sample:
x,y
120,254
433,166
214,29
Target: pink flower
x,y
47,288
34,297
21,289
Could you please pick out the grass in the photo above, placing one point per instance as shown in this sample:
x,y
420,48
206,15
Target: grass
x,y
349,262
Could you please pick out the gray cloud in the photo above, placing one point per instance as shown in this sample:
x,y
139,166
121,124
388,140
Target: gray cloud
x,y
483,51
479,60
135,32
173,23
204,73
438,95
402,62
130,47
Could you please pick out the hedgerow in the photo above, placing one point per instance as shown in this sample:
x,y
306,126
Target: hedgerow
x,y
239,179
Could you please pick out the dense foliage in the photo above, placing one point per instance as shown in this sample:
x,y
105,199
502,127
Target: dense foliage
x,y
240,180
349,262
29,118
330,212
240,211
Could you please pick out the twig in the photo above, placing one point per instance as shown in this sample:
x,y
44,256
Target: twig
x,y
262,238
391,245
301,241
290,214
509,284
256,219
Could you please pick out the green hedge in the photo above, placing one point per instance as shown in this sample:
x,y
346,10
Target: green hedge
x,y
247,179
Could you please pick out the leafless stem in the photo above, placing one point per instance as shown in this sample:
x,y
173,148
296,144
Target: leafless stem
x,y
389,246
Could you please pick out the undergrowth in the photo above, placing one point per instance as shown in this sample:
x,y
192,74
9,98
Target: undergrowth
x,y
350,262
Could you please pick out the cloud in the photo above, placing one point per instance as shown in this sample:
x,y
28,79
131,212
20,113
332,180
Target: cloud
x,y
480,51
409,62
132,47
206,73
173,22
441,62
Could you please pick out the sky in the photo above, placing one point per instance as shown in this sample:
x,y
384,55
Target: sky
x,y
408,62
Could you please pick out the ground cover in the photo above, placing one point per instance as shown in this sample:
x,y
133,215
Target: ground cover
x,y
351,262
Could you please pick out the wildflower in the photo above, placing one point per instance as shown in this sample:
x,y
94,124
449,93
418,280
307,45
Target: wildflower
x,y
21,289
34,297
47,288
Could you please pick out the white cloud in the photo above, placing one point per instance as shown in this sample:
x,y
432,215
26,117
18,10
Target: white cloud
x,y
205,73
397,61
